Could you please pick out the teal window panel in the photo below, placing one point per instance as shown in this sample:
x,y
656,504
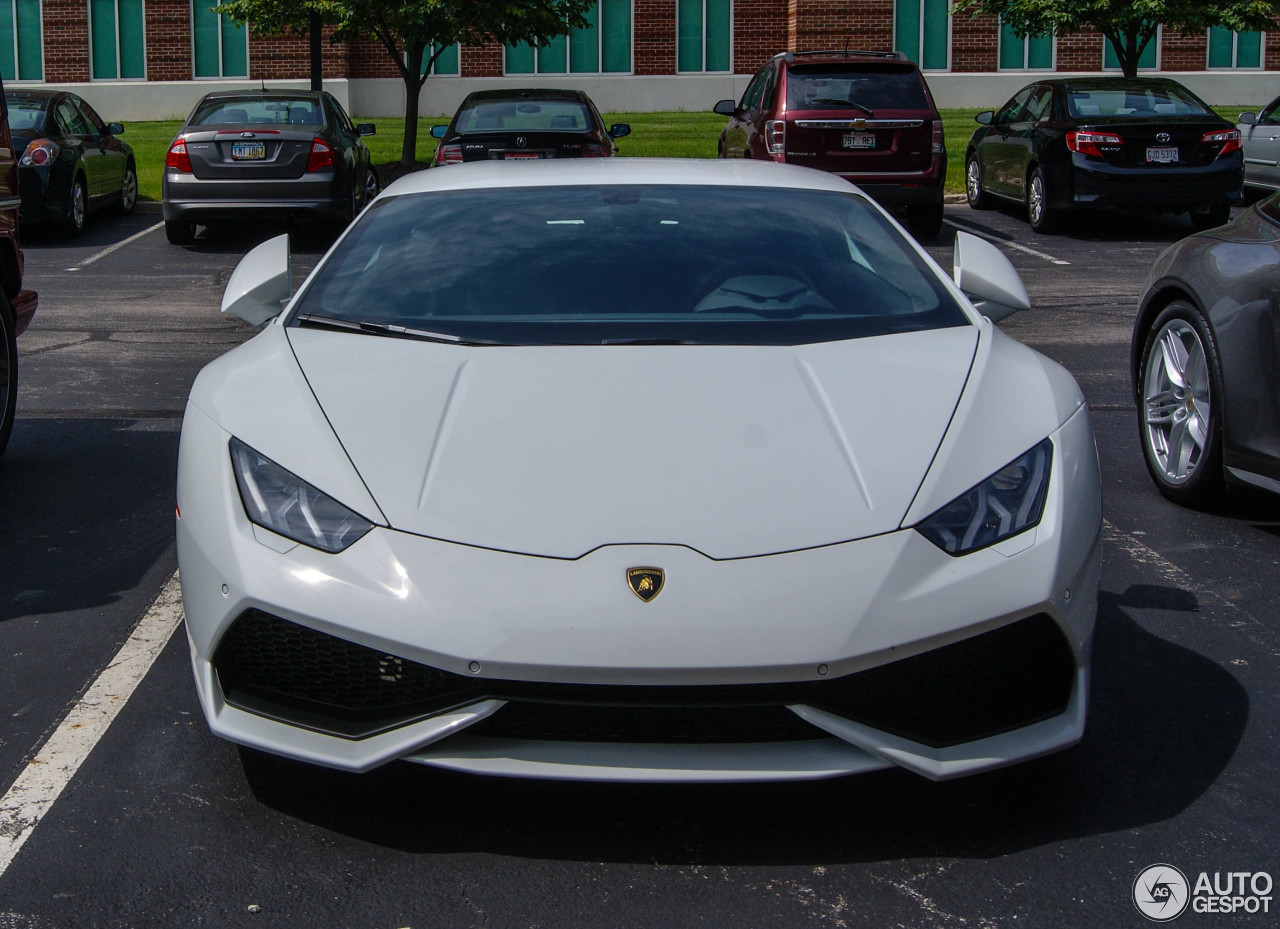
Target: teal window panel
x,y
1040,51
689,42
30,66
204,39
906,28
719,29
1249,50
521,59
8,67
615,35
936,44
446,64
553,58
133,48
1012,49
1221,47
584,45
102,39
235,48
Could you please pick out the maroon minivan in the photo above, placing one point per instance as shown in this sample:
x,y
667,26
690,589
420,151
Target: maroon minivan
x,y
17,306
866,116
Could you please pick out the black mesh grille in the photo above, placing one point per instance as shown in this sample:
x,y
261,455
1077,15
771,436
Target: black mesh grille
x,y
991,683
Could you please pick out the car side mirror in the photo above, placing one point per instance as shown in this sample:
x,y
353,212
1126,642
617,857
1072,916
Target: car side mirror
x,y
985,117
437,132
988,278
115,128
260,283
618,130
1247,119
726,108
366,129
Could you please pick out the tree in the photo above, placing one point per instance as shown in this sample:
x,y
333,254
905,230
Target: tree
x,y
415,32
1129,25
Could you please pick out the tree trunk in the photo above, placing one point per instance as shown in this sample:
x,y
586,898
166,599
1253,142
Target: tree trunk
x,y
414,78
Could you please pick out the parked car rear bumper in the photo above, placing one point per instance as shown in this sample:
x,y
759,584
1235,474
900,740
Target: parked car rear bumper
x,y
191,199
43,198
1167,188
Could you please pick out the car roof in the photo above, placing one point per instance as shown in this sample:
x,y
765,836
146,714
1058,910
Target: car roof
x,y
524,93
1109,83
859,56
32,94
610,171
264,94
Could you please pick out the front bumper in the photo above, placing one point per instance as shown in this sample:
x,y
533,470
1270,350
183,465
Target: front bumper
x,y
187,198
783,623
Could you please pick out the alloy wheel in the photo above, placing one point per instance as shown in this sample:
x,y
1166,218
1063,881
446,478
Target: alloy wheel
x,y
1176,393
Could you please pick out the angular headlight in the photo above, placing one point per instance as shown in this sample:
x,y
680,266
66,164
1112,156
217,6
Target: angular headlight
x,y
1006,503
278,500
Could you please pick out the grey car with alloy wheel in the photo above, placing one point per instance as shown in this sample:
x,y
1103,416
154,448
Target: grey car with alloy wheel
x,y
244,156
1203,360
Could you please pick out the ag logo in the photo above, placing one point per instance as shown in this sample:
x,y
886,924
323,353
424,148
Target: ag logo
x,y
1161,893
645,583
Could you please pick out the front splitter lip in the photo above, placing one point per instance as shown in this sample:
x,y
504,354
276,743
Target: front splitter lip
x,y
442,742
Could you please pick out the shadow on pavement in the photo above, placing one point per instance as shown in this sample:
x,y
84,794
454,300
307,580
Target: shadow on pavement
x,y
1164,722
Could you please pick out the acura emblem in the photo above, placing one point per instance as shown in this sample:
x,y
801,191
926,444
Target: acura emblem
x,y
1162,137
521,141
645,583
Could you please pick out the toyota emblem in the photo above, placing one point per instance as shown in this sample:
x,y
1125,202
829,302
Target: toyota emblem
x,y
1162,137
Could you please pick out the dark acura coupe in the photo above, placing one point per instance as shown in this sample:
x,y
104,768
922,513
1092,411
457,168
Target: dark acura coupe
x,y
242,156
1204,357
71,161
511,125
1147,144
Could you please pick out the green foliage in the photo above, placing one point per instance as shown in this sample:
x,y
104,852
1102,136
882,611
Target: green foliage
x,y
1129,25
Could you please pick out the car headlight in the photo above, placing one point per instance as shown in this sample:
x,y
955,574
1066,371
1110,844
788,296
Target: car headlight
x,y
281,501
1008,502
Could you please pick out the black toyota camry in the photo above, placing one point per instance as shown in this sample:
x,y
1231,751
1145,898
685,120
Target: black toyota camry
x,y
508,125
1143,143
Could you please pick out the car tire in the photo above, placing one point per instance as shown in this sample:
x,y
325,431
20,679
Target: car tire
x,y
1180,406
372,187
978,198
128,190
1211,216
77,207
925,222
1043,217
8,371
179,232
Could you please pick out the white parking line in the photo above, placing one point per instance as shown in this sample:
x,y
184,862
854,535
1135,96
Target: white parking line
x,y
58,760
111,248
973,230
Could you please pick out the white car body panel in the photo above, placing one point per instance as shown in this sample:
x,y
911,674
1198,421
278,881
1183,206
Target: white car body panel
x,y
732,450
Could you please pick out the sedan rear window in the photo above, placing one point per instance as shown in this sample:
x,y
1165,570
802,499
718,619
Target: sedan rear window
x,y
525,116
257,111
1134,101
26,114
597,264
828,88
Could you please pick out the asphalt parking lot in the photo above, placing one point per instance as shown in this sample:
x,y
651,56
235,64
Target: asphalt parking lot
x,y
163,825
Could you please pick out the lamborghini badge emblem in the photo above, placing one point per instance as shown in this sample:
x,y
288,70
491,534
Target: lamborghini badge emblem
x,y
645,583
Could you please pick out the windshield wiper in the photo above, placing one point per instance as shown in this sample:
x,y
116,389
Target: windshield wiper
x,y
313,320
647,342
832,101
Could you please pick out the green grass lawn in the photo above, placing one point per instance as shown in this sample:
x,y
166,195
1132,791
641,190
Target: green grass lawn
x,y
670,135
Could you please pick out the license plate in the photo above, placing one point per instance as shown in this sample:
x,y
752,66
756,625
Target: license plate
x,y
1163,155
859,140
521,156
248,151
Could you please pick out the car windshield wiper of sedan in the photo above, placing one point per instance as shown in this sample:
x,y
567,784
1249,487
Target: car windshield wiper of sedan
x,y
313,320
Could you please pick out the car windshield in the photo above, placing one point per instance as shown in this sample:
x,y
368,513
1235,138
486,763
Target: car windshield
x,y
257,111
839,87
598,264
1137,100
524,116
25,114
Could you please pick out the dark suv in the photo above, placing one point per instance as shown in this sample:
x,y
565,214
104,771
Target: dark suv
x,y
17,306
866,116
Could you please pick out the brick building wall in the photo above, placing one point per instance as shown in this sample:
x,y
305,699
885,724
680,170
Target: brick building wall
x,y
761,28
